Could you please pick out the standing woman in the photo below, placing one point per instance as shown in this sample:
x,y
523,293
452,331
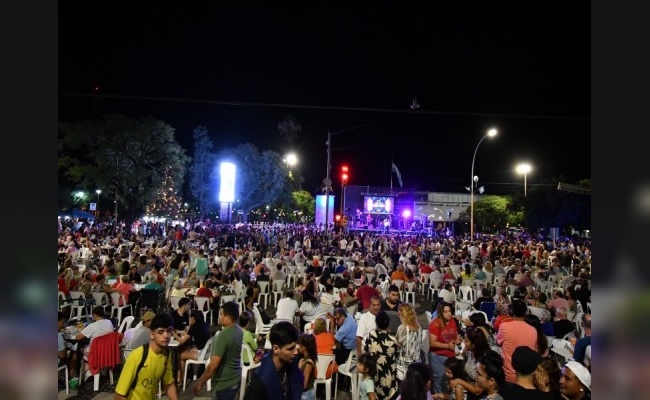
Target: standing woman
x,y
409,334
307,364
172,268
443,338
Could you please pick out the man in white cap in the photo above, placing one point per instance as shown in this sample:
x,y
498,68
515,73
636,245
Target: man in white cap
x,y
575,381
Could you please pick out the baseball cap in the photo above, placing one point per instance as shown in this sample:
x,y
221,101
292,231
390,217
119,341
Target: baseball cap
x,y
148,316
580,372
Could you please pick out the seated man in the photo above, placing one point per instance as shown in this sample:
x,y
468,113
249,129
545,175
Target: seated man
x,y
287,307
100,326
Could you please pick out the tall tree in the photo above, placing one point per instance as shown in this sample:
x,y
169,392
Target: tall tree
x,y
202,165
128,157
260,177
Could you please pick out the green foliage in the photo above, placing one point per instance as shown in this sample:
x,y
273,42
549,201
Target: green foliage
x,y
305,203
260,177
491,213
123,156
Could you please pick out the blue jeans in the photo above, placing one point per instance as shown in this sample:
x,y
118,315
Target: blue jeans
x,y
226,394
438,377
309,394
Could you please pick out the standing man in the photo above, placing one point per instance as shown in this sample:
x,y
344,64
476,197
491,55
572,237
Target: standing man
x,y
225,358
278,377
514,334
390,305
137,382
364,294
367,322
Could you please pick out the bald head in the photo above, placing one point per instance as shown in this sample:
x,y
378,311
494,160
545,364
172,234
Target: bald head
x,y
586,320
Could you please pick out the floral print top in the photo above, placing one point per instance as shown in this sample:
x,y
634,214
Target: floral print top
x,y
384,346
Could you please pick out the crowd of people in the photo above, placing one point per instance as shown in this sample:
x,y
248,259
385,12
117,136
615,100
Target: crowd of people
x,y
347,299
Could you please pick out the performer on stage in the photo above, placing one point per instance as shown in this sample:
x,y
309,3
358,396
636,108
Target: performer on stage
x,y
386,225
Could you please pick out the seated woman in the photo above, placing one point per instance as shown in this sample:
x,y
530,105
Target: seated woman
x,y
152,283
192,341
178,290
191,281
325,343
310,308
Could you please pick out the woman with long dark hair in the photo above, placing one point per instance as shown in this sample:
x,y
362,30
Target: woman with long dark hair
x,y
443,338
307,364
417,383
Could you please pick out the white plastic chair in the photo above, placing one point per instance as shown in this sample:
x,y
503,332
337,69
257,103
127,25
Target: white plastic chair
x,y
204,359
203,304
434,287
61,298
126,323
409,292
348,369
260,327
370,278
399,283
101,299
79,308
324,360
115,297
245,368
278,286
264,293
466,294
67,384
173,300
424,282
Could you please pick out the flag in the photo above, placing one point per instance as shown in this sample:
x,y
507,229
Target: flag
x,y
399,176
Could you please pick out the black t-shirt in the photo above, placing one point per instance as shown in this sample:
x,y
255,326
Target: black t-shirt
x,y
200,334
516,392
180,321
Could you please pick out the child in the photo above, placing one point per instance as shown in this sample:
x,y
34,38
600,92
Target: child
x,y
454,369
367,367
307,364
249,338
417,382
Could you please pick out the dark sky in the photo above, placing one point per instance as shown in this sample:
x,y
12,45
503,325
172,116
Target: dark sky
x,y
350,67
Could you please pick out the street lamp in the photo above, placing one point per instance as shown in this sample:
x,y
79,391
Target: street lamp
x,y
98,191
290,160
491,133
524,168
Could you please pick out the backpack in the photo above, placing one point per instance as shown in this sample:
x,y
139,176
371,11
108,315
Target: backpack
x,y
145,353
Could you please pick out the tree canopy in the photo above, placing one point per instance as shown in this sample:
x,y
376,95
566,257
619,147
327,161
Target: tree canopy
x,y
129,157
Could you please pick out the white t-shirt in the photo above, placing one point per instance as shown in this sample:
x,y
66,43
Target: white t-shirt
x,y
98,328
366,324
286,309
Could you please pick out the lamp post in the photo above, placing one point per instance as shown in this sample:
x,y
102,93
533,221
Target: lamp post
x,y
490,133
98,191
524,168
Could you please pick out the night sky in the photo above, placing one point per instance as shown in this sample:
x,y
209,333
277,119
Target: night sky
x,y
351,68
